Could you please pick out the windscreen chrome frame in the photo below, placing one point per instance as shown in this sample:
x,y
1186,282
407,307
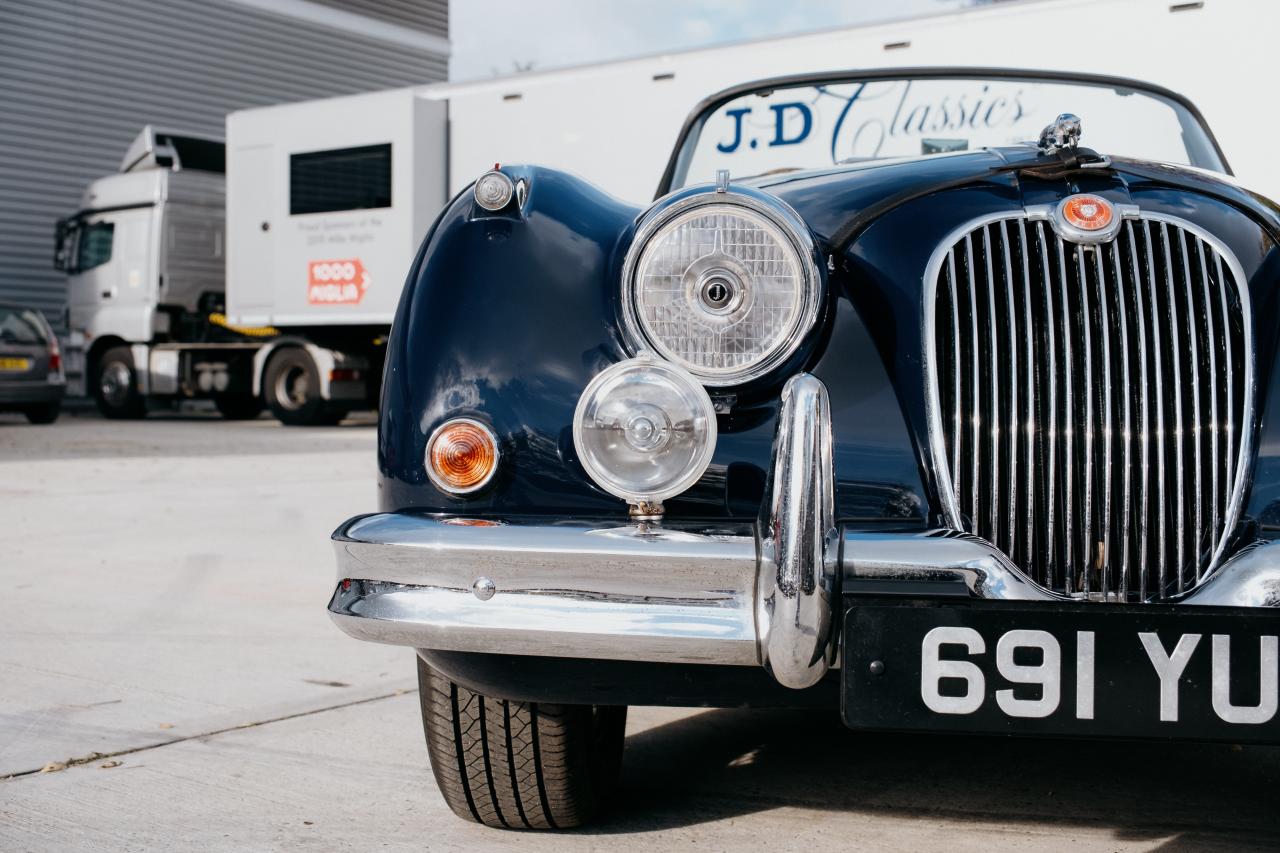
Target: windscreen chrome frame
x,y
676,171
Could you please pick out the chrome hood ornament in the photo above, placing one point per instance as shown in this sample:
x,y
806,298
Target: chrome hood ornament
x,y
1063,133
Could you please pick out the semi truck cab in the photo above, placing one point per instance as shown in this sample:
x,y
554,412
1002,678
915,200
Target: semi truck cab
x,y
145,257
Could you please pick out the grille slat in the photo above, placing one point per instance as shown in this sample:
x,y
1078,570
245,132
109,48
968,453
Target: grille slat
x,y
1048,366
1102,560
957,427
1226,343
1212,339
1144,545
1179,444
1069,424
1158,403
1027,430
1051,440
1125,462
976,448
1086,322
994,400
1193,333
1011,316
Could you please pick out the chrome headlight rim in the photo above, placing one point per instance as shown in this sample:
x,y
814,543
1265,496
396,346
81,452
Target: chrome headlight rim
x,y
778,214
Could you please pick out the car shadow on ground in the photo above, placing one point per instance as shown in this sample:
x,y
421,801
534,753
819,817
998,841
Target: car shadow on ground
x,y
725,763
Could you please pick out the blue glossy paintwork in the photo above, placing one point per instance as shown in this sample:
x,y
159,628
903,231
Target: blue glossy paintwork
x,y
506,317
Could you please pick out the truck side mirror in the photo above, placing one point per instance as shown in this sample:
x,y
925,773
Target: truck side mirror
x,y
64,239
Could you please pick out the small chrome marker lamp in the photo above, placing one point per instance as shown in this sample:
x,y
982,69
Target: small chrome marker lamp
x,y
645,431
493,190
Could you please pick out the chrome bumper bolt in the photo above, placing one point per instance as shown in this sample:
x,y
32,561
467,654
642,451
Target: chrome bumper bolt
x,y
484,588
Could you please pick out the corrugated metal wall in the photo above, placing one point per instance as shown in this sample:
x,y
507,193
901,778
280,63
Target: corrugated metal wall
x,y
430,17
79,78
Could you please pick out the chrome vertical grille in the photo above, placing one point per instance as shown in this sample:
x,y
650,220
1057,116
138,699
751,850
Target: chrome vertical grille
x,y
1091,406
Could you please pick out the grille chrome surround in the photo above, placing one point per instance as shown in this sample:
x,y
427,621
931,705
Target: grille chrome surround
x,y
1052,370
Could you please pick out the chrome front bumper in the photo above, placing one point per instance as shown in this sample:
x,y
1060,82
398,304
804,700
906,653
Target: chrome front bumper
x,y
765,593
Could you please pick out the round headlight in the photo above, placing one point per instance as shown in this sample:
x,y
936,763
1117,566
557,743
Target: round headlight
x,y
722,286
644,430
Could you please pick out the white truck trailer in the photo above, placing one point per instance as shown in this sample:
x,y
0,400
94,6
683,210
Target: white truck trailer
x,y
327,201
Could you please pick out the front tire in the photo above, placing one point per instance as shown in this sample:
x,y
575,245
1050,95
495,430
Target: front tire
x,y
115,386
520,765
291,385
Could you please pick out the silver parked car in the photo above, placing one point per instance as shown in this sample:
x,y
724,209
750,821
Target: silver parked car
x,y
31,376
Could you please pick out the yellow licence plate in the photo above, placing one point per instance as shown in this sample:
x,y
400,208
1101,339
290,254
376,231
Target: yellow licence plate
x,y
13,365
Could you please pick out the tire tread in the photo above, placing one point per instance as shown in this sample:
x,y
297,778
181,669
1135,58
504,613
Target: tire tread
x,y
519,765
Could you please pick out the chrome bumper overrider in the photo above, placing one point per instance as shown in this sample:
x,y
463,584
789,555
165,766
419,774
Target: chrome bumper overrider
x,y
766,593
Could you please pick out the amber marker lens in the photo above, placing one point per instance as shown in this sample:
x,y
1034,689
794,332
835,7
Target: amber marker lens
x,y
1087,212
462,456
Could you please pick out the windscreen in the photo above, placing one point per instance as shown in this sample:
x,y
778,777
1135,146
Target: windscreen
x,y
848,121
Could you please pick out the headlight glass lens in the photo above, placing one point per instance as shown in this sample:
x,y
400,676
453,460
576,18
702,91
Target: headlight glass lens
x,y
721,290
644,430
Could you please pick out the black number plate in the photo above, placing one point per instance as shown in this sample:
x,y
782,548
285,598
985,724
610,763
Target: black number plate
x,y
1091,670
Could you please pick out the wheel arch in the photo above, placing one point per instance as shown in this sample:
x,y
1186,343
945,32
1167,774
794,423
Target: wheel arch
x,y
323,359
97,348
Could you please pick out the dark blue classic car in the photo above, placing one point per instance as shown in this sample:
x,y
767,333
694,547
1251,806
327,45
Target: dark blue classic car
x,y
878,407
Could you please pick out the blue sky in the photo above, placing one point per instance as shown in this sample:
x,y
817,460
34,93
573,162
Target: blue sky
x,y
493,36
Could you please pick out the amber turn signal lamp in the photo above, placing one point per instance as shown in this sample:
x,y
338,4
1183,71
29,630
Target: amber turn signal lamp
x,y
462,456
1087,212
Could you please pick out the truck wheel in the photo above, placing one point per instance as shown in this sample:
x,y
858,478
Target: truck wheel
x,y
520,765
238,407
43,413
115,385
291,385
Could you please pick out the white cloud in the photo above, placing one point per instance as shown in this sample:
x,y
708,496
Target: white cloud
x,y
501,36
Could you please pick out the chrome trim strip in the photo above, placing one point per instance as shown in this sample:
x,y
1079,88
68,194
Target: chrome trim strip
x,y
798,579
939,556
1249,579
552,624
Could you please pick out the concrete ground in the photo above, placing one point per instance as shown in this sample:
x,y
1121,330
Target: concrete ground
x,y
165,657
